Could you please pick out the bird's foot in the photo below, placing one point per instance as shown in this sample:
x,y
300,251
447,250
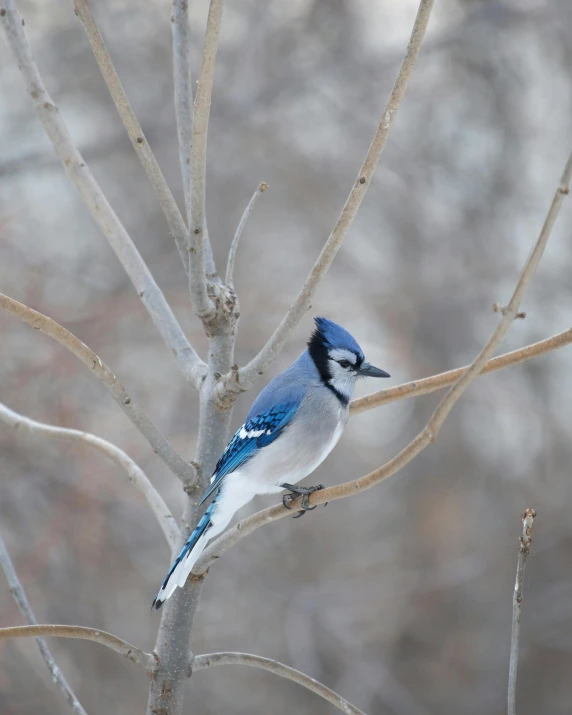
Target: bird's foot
x,y
295,491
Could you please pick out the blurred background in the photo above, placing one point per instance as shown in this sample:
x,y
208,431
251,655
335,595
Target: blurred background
x,y
399,599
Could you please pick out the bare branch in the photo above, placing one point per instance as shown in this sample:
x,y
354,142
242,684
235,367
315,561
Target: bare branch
x,y
168,204
131,652
23,604
235,241
284,671
432,428
236,383
160,445
203,305
508,314
153,299
523,552
182,80
444,379
134,473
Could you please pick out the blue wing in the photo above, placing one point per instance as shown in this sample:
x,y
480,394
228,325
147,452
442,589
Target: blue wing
x,y
257,432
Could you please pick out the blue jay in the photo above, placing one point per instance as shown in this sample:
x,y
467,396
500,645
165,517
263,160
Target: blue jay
x,y
291,428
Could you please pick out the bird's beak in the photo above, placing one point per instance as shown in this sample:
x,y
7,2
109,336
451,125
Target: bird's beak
x,y
367,370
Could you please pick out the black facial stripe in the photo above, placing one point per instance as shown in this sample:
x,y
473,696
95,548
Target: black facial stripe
x,y
319,354
341,397
354,359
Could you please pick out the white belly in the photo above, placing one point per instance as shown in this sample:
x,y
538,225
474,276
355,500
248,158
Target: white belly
x,y
291,458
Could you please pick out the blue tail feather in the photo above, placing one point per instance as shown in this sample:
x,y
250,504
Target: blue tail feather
x,y
200,529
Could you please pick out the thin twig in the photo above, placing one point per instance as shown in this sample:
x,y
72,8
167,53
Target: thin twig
x,y
134,473
235,383
182,80
101,211
160,445
523,552
203,305
284,671
444,379
235,241
431,429
131,652
23,604
167,202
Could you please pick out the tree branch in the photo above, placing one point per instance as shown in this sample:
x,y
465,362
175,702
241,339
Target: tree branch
x,y
131,652
203,305
523,552
431,430
444,379
98,206
160,445
229,280
273,666
167,202
23,604
234,383
182,80
134,473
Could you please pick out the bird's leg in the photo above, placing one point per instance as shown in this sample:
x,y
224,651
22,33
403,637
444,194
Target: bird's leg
x,y
296,491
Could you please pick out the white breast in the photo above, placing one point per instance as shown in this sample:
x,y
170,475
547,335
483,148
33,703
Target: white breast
x,y
326,450
294,455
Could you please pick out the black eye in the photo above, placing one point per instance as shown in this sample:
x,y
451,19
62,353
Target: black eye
x,y
344,363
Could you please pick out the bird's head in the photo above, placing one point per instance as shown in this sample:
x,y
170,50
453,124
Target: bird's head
x,y
339,358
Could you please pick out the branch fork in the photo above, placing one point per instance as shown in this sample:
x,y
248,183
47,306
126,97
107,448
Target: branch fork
x,y
497,308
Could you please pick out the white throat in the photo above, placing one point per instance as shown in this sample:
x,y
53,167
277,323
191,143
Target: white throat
x,y
342,380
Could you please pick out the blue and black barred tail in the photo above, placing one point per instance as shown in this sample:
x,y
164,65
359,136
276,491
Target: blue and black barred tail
x,y
185,561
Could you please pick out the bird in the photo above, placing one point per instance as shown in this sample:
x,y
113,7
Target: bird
x,y
292,426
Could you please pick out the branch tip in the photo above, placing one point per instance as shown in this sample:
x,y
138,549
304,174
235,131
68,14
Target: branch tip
x,y
229,279
525,541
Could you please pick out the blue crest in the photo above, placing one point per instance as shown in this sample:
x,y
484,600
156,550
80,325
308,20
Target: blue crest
x,y
331,335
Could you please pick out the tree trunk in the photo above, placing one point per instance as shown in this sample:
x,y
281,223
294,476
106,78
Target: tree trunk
x,y
173,640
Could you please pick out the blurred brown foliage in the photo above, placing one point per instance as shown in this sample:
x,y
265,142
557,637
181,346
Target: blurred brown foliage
x,y
399,599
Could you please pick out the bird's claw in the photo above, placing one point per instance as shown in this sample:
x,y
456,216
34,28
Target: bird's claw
x,y
295,491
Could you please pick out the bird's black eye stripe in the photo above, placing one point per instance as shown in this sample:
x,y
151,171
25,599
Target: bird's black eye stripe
x,y
344,363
